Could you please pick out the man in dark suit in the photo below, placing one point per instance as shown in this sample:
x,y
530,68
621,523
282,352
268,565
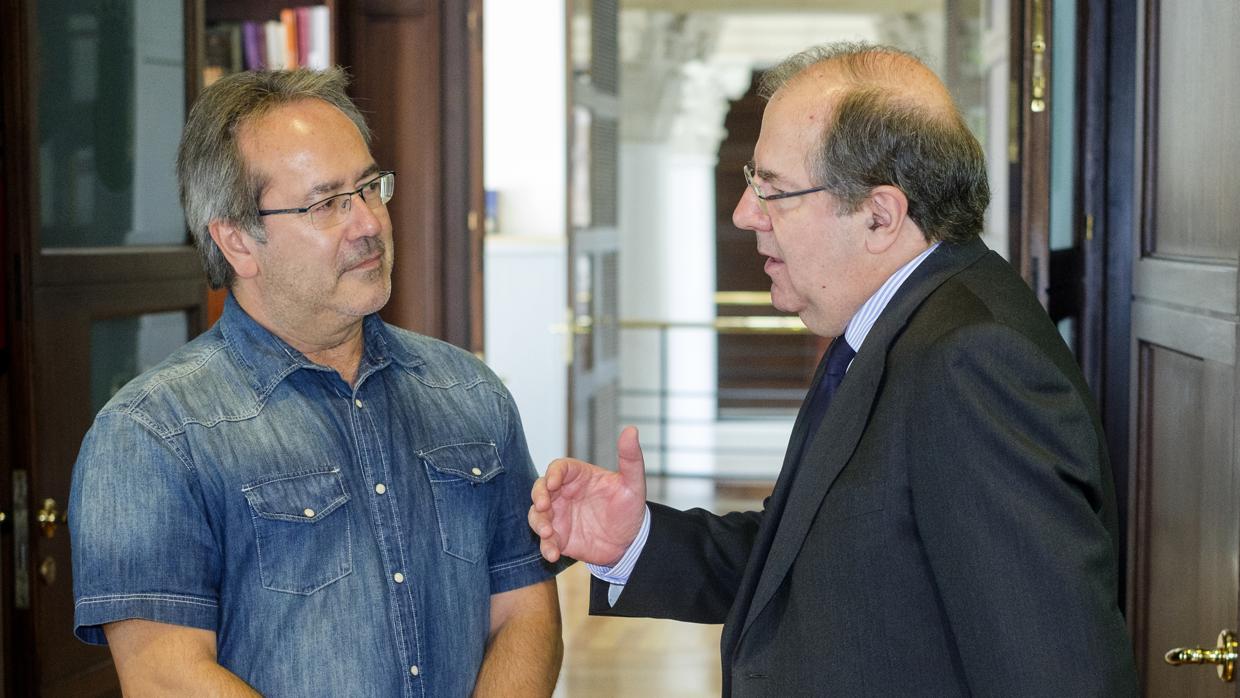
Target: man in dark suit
x,y
944,523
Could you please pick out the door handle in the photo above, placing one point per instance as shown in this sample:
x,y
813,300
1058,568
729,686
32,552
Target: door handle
x,y
49,517
1223,656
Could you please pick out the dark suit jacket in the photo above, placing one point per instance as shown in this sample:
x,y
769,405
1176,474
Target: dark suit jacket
x,y
949,528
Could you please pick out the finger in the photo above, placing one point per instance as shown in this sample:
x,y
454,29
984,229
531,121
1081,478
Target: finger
x,y
549,551
537,522
629,455
539,496
554,477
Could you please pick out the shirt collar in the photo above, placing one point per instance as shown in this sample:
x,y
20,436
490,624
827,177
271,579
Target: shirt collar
x,y
861,323
267,359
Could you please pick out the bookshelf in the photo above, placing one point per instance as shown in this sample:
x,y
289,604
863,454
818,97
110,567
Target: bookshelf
x,y
257,36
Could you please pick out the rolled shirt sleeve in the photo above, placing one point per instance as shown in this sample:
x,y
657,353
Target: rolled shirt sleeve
x,y
142,544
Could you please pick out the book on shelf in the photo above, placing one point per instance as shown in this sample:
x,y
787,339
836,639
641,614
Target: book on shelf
x,y
275,32
300,36
221,51
288,19
255,46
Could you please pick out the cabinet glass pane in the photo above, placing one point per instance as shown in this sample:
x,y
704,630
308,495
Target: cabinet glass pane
x,y
121,348
111,102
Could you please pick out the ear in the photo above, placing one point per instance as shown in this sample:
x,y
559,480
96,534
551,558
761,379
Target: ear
x,y
887,213
237,245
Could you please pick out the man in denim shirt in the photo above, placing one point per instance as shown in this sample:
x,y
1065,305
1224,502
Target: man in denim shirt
x,y
305,500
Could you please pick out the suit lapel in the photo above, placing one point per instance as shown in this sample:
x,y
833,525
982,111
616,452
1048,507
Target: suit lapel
x,y
828,449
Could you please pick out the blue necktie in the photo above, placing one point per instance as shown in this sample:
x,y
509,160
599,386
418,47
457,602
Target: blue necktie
x,y
839,355
838,358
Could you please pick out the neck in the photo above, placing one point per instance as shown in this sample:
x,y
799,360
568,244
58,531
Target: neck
x,y
336,345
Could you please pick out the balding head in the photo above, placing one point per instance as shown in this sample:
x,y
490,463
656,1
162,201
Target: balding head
x,y
886,119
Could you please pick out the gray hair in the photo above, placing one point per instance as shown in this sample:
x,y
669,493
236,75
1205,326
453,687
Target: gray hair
x,y
215,180
877,136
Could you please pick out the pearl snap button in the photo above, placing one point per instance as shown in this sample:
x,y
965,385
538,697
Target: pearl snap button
x,y
380,489
399,578
309,513
357,402
414,670
476,471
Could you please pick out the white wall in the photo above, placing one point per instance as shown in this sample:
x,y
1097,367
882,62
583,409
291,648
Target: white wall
x,y
524,112
524,303
524,146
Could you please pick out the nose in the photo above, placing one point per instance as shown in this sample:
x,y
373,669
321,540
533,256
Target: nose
x,y
748,213
364,221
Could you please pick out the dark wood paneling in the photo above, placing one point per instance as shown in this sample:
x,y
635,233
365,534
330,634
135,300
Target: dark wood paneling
x,y
396,66
1107,195
1196,161
1030,235
237,10
396,8
15,34
95,265
45,413
62,351
1180,524
461,145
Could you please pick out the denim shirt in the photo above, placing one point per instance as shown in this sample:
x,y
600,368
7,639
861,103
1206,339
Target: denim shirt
x,y
338,540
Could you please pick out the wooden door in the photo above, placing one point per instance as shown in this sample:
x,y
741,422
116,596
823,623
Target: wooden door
x,y
594,250
1183,574
417,75
106,283
1029,205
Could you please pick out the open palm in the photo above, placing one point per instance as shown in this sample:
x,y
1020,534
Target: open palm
x,y
589,513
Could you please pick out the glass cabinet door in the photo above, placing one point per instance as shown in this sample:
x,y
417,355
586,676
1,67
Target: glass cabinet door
x,y
110,86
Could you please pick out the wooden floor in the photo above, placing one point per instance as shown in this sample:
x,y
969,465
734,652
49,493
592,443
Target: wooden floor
x,y
639,657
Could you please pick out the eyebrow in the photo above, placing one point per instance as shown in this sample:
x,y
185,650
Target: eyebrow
x,y
766,175
322,189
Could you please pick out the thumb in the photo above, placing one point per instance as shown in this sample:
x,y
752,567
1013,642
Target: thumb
x,y
632,464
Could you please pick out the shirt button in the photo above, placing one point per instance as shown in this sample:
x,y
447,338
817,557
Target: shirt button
x,y
414,670
358,403
476,471
309,513
399,578
380,489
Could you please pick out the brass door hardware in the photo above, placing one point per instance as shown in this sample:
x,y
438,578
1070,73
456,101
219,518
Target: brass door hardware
x,y
1222,656
1038,102
47,571
49,517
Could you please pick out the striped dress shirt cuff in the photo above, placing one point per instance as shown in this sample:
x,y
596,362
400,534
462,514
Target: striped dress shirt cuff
x,y
618,574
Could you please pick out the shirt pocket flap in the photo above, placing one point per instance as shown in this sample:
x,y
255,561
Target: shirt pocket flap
x,y
475,462
297,497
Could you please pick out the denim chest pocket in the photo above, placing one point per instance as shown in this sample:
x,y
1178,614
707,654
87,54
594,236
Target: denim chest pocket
x,y
301,524
460,475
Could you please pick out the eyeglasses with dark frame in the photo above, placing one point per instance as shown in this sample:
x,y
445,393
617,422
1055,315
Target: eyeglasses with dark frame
x,y
763,198
335,209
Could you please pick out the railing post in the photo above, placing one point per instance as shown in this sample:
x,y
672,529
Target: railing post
x,y
663,391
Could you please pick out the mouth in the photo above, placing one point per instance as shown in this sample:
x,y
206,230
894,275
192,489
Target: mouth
x,y
368,263
772,264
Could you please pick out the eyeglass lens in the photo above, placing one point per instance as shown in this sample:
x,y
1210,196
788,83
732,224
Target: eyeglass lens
x,y
753,184
335,210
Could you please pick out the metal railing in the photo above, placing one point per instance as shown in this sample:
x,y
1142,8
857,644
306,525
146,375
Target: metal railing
x,y
774,437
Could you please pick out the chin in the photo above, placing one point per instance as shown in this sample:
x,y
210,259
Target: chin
x,y
784,301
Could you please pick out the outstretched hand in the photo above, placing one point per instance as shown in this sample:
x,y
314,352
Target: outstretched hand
x,y
589,513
